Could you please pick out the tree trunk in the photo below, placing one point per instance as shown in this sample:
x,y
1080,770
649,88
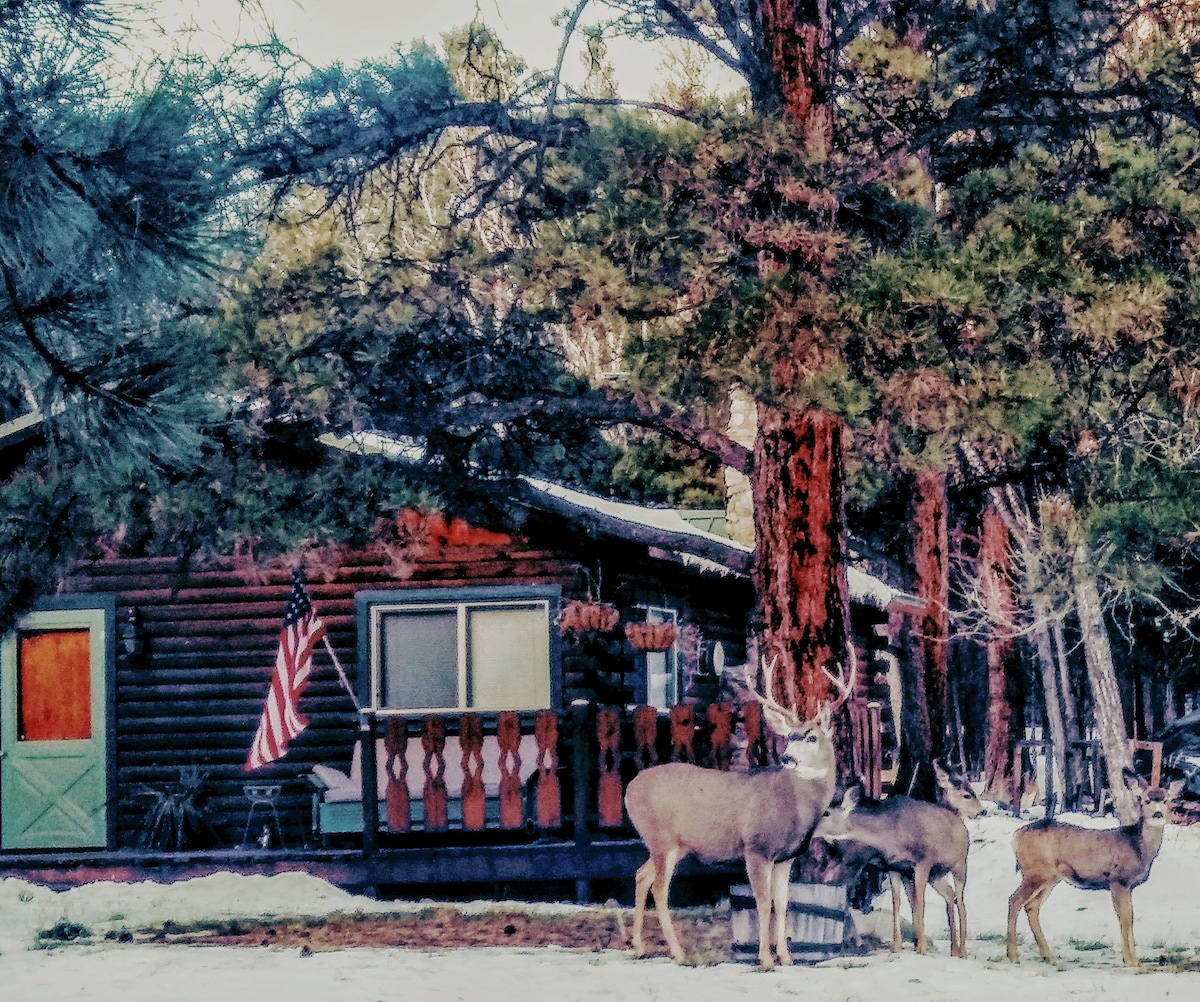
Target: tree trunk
x,y
1055,722
797,35
800,568
1004,666
930,529
1106,695
914,775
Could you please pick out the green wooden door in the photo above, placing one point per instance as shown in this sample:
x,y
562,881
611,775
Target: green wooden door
x,y
54,731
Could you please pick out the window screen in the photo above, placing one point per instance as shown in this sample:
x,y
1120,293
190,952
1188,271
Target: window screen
x,y
477,655
419,653
509,658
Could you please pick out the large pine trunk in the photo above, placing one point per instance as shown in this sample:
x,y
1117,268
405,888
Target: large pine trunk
x,y
1004,717
798,41
931,555
800,568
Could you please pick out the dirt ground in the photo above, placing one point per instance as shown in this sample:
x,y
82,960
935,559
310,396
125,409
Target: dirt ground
x,y
705,932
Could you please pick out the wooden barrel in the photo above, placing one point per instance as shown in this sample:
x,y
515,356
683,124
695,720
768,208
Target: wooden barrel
x,y
818,921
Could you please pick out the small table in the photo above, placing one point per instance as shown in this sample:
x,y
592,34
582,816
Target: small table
x,y
264,799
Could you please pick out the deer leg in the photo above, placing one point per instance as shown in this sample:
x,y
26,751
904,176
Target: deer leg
x,y
897,944
1016,902
642,883
1123,903
910,892
960,900
946,892
1033,908
781,879
920,878
662,888
760,870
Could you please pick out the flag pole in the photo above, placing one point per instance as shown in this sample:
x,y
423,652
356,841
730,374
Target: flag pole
x,y
342,675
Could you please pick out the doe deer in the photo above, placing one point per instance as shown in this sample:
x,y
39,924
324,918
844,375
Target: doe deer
x,y
765,817
917,843
1113,859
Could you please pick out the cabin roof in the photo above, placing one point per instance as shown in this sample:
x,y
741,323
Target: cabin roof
x,y
693,546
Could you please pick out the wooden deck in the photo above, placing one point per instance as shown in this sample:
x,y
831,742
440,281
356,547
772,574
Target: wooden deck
x,y
493,869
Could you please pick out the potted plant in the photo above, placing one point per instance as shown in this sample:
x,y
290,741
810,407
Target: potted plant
x,y
651,636
580,616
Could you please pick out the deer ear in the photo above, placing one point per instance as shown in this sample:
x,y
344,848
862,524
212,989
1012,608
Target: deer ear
x,y
1175,789
1133,780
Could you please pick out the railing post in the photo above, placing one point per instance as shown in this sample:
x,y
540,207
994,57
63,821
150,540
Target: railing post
x,y
580,762
370,792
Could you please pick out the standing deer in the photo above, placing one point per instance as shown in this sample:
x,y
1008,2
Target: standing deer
x,y
1116,859
918,843
765,817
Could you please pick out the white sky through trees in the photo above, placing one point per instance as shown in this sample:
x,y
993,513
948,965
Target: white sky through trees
x,y
325,31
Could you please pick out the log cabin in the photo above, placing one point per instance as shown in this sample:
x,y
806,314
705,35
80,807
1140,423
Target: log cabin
x,y
480,703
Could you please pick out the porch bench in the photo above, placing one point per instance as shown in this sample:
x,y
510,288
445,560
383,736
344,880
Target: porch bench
x,y
338,809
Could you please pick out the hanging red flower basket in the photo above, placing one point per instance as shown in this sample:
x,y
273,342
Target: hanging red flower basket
x,y
580,616
651,636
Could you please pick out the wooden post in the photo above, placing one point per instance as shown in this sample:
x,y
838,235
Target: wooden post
x,y
370,794
1155,750
874,776
581,760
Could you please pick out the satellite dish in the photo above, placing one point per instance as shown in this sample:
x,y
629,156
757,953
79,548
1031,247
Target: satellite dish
x,y
712,657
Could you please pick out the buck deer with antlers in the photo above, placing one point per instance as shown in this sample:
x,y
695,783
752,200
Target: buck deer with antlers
x,y
1113,859
917,843
764,817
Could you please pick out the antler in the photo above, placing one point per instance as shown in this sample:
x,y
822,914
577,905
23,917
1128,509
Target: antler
x,y
768,701
844,686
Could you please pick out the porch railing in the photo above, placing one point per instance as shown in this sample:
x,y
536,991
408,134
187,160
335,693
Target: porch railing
x,y
584,757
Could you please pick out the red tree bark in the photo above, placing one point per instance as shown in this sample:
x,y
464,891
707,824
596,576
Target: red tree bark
x,y
800,570
931,555
798,43
1004,669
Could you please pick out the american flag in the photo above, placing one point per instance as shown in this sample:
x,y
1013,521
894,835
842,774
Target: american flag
x,y
281,720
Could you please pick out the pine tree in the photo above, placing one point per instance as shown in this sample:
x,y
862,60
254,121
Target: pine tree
x,y
108,239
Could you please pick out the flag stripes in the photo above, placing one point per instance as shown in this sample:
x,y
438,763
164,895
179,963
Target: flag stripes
x,y
281,718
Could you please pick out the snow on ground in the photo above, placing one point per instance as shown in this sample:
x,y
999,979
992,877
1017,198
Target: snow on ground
x,y
1080,925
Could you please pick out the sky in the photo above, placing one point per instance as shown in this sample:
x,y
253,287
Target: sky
x,y
325,31
1080,925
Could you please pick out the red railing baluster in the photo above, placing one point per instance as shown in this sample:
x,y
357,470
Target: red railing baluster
x,y
512,814
645,736
608,730
433,741
473,798
720,715
549,795
683,733
395,744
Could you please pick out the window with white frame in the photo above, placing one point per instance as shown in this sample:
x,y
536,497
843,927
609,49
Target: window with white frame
x,y
663,688
461,649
